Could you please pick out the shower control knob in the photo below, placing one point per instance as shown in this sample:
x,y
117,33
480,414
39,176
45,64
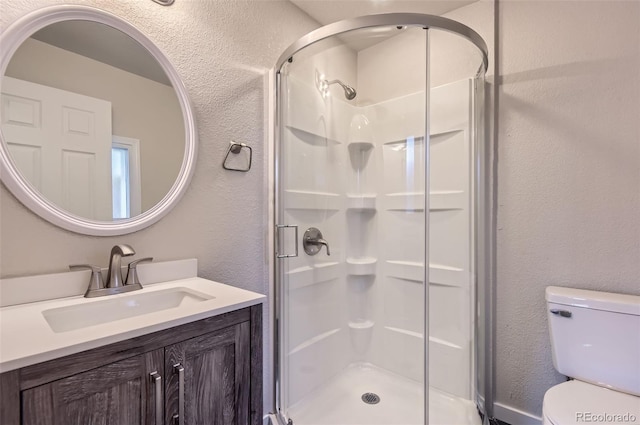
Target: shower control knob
x,y
312,241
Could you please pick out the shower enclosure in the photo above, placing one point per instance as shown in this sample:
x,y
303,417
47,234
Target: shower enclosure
x,y
376,284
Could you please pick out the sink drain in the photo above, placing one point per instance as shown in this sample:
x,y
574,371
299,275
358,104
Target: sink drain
x,y
371,398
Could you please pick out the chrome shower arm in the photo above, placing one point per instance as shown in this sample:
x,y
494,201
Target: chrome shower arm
x,y
349,92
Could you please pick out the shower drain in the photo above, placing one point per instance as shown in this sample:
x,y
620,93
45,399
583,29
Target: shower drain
x,y
371,398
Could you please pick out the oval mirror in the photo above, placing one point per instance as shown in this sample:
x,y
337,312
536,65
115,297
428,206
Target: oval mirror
x,y
97,132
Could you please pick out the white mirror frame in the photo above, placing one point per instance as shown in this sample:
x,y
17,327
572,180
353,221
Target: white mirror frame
x,y
10,40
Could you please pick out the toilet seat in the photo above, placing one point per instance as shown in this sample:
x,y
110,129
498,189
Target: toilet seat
x,y
576,402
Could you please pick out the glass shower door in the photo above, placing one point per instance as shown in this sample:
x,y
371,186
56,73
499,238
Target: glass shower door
x,y
351,175
313,299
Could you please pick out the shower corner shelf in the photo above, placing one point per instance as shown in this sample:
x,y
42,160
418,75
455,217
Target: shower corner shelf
x,y
361,266
361,324
365,202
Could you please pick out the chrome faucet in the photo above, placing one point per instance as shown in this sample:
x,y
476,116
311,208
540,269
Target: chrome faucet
x,y
115,283
114,275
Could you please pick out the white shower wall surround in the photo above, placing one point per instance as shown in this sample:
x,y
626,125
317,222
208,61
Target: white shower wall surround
x,y
363,304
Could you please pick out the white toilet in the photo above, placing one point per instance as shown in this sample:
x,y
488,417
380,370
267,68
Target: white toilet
x,y
595,339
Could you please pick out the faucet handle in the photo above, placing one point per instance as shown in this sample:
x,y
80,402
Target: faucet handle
x,y
132,272
312,241
96,281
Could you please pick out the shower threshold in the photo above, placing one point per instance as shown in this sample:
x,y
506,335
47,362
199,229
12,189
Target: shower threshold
x,y
340,402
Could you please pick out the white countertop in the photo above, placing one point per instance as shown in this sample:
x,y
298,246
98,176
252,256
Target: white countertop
x,y
26,338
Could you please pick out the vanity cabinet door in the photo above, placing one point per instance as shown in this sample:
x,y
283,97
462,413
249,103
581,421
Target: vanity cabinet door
x,y
208,378
121,393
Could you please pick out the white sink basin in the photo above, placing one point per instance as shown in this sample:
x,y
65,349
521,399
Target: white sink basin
x,y
64,319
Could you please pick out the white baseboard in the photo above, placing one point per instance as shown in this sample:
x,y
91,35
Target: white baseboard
x,y
513,416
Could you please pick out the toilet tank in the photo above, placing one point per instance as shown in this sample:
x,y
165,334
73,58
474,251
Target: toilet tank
x,y
595,337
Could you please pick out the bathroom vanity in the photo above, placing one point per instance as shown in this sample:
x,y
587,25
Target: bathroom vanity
x,y
196,362
209,370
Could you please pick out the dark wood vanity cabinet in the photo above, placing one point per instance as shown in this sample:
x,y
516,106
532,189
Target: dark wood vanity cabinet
x,y
117,393
209,372
215,371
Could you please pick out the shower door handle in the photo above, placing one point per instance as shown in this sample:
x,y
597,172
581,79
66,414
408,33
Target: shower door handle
x,y
295,238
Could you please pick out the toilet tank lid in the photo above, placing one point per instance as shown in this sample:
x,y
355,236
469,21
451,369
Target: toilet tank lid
x,y
597,300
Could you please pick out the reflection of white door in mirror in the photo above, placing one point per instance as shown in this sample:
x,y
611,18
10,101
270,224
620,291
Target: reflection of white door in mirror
x,y
61,142
125,174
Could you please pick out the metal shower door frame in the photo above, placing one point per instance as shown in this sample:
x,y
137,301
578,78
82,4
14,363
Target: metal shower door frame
x,y
389,19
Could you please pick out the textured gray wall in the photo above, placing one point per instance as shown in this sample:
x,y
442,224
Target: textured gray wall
x,y
568,172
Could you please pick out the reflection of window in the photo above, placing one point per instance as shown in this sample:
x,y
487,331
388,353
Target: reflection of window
x,y
125,175
120,183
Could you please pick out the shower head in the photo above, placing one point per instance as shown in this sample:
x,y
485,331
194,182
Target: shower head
x,y
349,92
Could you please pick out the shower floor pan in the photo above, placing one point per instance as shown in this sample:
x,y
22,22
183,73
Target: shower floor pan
x,y
340,402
